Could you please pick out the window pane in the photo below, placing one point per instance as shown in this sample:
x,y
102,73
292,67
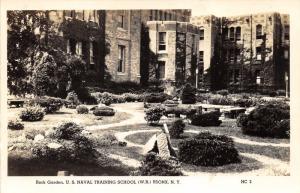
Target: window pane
x,y
161,69
162,41
238,33
201,56
202,34
231,33
259,31
121,59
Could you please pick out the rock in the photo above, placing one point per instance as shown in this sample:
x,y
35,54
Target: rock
x,y
149,145
54,145
38,137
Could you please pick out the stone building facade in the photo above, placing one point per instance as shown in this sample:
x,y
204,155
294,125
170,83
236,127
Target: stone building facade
x,y
176,46
255,48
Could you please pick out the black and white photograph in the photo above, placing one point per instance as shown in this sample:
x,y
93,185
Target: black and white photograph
x,y
147,92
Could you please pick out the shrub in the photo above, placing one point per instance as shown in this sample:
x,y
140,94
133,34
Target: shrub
x,y
223,92
153,165
67,131
244,102
154,114
206,149
206,119
33,113
81,109
241,119
85,97
72,100
188,95
104,111
50,104
15,125
280,92
131,97
156,97
188,111
107,139
264,120
171,103
220,100
176,128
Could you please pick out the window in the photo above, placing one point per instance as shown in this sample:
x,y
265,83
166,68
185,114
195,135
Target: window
x,y
165,16
161,70
258,53
160,15
286,54
121,21
92,56
258,77
287,32
231,34
162,41
79,49
238,33
201,56
156,15
150,16
121,59
202,34
259,31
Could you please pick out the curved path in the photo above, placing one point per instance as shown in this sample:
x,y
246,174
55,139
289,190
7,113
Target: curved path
x,y
134,109
270,165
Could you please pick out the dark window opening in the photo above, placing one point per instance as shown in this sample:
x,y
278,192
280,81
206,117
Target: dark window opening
x,y
259,32
162,41
238,33
201,56
231,34
258,53
121,59
121,21
202,34
161,70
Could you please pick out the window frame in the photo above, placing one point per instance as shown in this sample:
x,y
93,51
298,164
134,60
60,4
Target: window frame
x,y
201,56
259,33
258,53
121,59
231,34
162,43
201,37
238,32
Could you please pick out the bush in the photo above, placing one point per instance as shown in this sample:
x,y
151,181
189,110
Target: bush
x,y
156,97
244,102
241,119
280,92
220,100
104,111
81,109
154,114
107,139
176,128
265,119
170,103
153,165
108,98
223,92
67,131
33,113
206,119
72,100
15,125
50,104
206,149
131,97
188,95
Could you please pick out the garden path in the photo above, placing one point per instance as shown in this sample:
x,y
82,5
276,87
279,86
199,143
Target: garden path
x,y
136,111
270,165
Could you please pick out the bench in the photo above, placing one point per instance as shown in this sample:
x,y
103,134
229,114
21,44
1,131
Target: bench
x,y
16,103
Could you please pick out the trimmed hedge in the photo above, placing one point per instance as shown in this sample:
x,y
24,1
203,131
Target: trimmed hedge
x,y
153,165
81,109
33,113
72,100
104,111
207,149
188,95
15,125
206,119
265,121
156,97
154,114
176,128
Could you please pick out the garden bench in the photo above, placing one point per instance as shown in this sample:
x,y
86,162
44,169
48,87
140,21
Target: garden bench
x,y
16,103
234,112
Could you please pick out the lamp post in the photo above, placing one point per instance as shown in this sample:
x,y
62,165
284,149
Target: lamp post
x,y
197,71
286,84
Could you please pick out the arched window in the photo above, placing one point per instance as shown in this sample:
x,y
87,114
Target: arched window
x,y
238,33
259,32
231,34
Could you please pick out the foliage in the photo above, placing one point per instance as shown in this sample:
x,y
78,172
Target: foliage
x,y
34,113
220,100
104,111
241,119
188,111
170,103
153,165
72,100
245,102
176,128
206,149
156,97
188,95
50,104
154,114
223,92
67,131
15,125
264,121
81,109
206,119
107,139
85,97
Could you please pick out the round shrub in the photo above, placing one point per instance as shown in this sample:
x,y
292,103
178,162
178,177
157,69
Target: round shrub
x,y
154,114
81,109
242,102
206,149
220,100
15,125
188,95
33,113
264,121
156,97
67,131
104,111
241,119
153,165
176,128
206,119
50,104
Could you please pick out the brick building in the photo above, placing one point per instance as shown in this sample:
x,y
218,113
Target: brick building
x,y
255,48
